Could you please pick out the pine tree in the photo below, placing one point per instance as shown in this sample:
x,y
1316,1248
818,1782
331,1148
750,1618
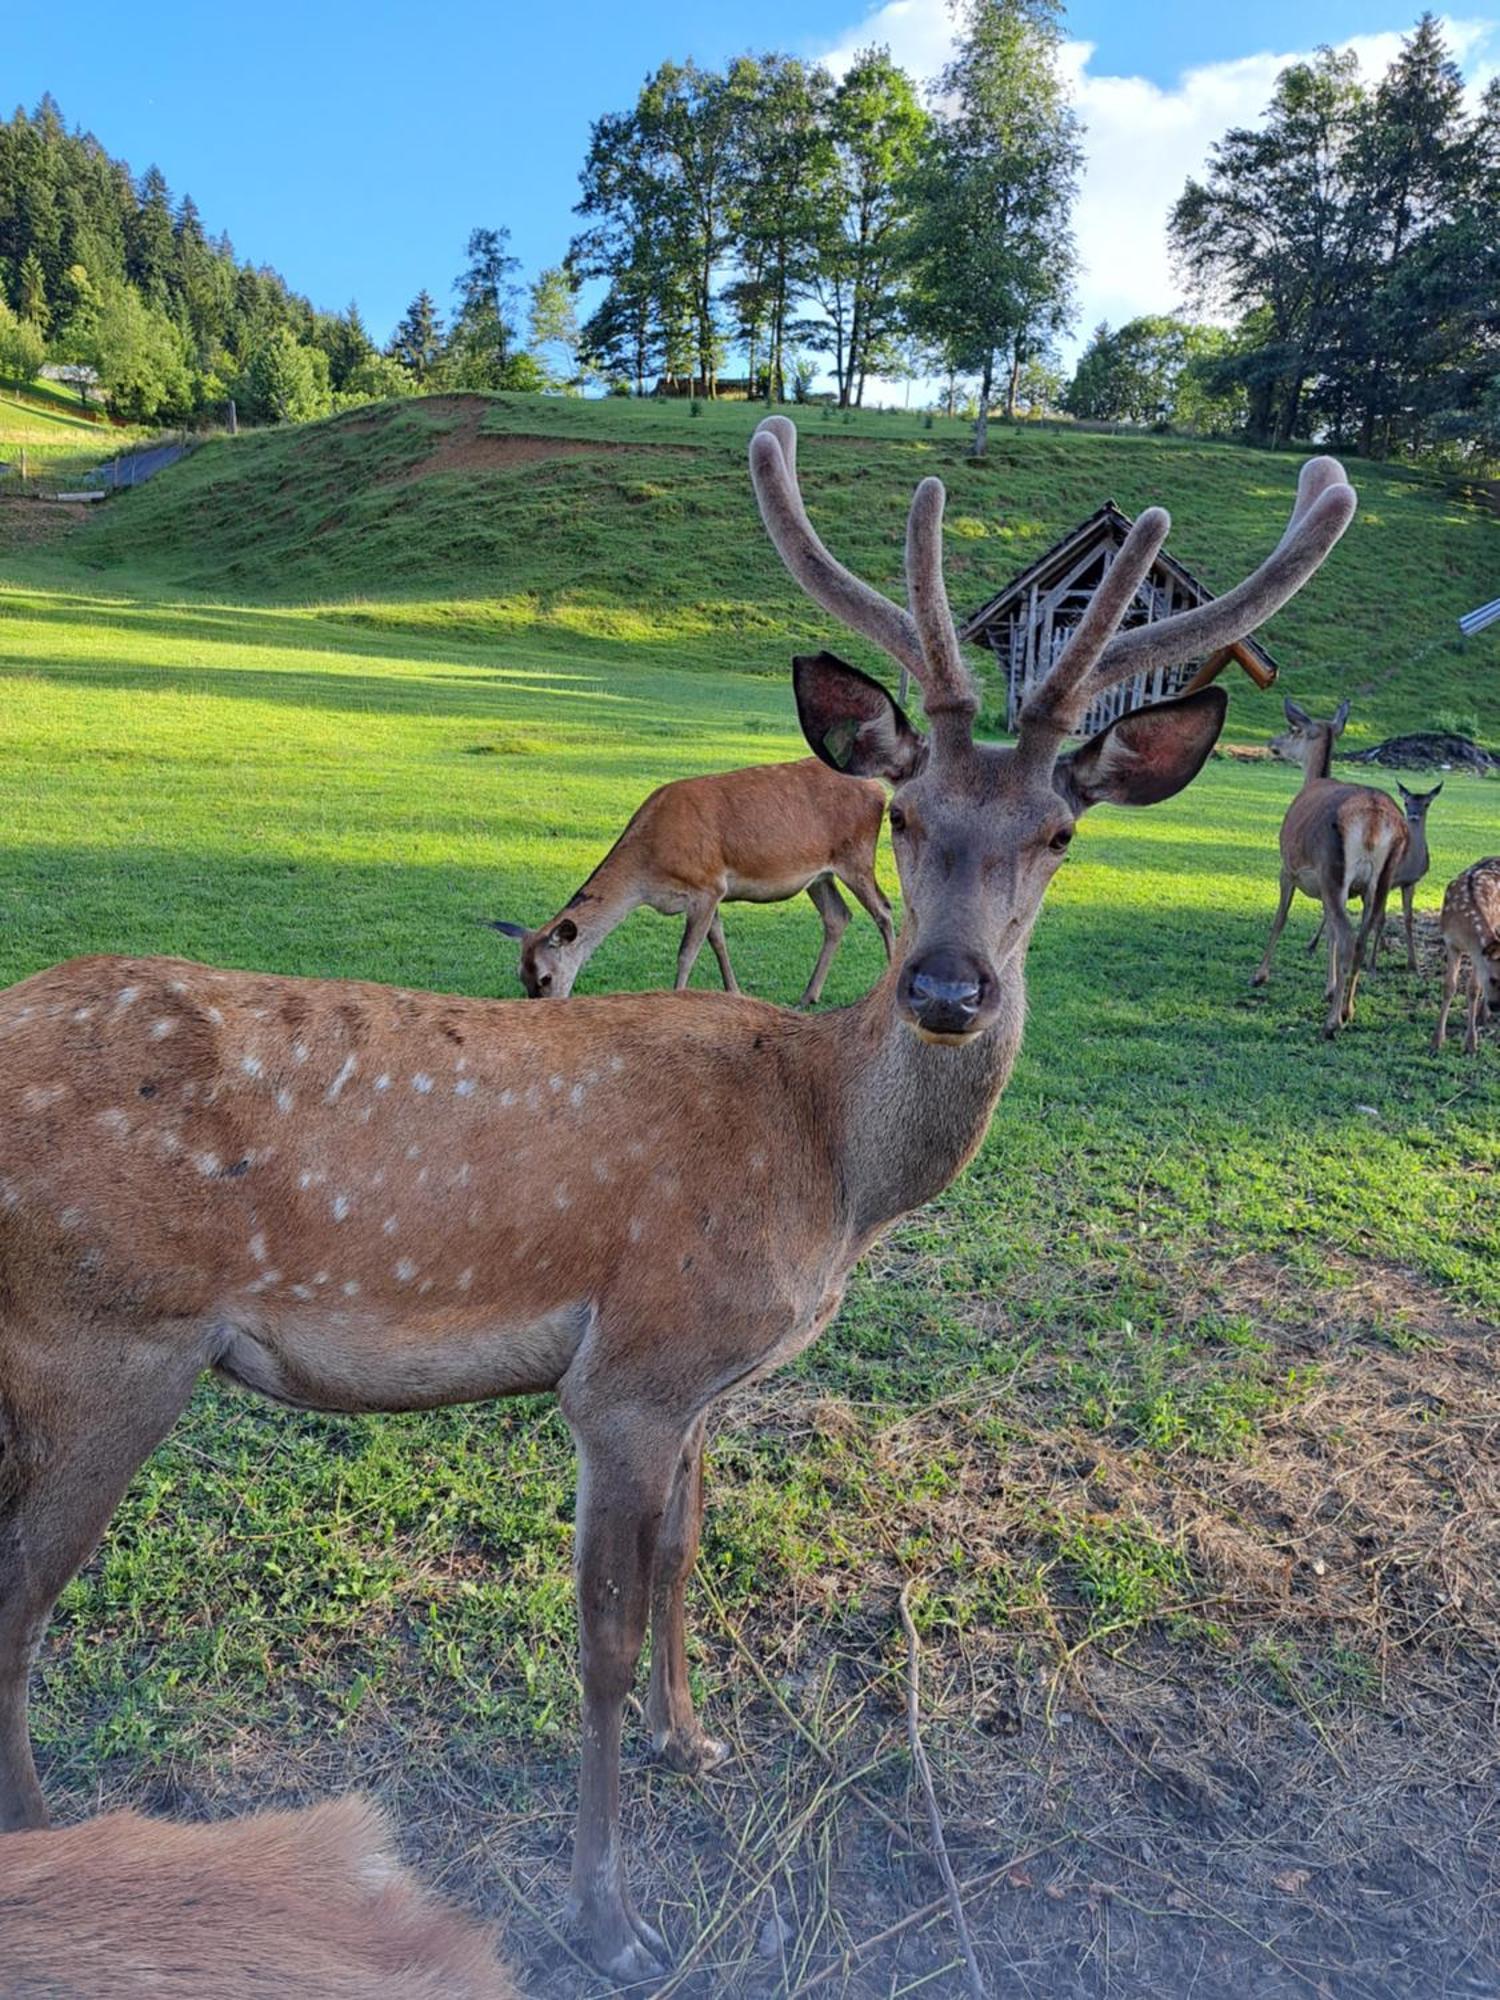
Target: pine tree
x,y
417,342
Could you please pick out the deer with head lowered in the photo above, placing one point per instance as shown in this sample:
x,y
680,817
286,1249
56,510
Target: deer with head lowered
x,y
761,835
351,1197
1338,842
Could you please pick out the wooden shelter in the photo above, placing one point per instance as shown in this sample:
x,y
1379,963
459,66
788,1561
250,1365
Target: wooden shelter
x,y
1027,625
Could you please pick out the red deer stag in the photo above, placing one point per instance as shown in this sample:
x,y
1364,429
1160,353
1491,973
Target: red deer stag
x,y
1337,842
1410,870
313,1904
760,835
1471,931
350,1197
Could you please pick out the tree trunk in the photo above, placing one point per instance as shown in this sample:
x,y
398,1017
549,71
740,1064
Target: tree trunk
x,y
1013,385
982,421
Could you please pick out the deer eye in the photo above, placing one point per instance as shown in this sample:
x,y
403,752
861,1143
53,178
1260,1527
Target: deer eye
x,y
1059,841
897,819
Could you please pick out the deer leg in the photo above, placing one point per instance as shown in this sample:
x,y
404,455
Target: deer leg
x,y
677,1736
1477,1012
1372,924
1342,968
1452,965
1262,972
1316,938
699,924
860,881
628,1461
72,1434
1408,895
721,953
834,911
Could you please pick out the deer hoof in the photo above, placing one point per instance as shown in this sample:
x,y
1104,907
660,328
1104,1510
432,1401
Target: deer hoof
x,y
691,1752
1260,976
622,1944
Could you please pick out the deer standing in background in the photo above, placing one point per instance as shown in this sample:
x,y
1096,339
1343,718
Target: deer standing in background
x,y
760,835
1471,932
1337,842
1410,870
351,1197
313,1904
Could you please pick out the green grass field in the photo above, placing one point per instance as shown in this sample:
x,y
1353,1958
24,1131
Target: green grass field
x,y
1177,1412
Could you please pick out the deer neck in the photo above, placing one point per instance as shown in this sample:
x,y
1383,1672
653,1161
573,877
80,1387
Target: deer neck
x,y
604,901
1319,765
910,1114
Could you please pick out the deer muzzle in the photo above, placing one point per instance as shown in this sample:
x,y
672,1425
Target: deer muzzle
x,y
948,995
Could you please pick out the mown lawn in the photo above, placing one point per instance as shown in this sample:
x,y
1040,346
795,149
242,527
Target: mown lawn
x,y
1178,1412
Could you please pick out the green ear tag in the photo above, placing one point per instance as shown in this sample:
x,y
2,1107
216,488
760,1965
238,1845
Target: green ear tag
x,y
839,742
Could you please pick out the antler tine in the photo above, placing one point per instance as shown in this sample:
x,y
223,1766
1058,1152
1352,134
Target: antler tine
x,y
950,685
1324,508
773,473
1054,707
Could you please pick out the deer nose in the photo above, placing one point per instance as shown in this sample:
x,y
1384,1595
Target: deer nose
x,y
945,992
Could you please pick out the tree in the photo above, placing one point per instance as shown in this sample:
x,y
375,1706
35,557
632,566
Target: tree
x,y
993,258
1144,372
784,159
373,379
483,335
1272,229
285,382
417,342
137,353
22,348
554,318
878,130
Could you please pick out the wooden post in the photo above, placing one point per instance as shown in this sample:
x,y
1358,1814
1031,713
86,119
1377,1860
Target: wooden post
x,y
234,427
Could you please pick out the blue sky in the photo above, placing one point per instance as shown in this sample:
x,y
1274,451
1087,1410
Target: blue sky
x,y
354,147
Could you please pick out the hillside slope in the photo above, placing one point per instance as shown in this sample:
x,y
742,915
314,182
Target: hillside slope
x,y
613,521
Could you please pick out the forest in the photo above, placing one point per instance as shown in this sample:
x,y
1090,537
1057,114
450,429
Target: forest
x,y
770,230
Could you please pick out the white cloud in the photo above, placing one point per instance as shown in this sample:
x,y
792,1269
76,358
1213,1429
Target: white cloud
x,y
1143,140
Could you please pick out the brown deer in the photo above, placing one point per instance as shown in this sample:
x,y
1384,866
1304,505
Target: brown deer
x,y
760,835
351,1197
1337,842
1471,931
313,1904
1410,870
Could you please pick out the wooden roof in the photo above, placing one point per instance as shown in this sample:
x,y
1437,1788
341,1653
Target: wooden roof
x,y
1108,523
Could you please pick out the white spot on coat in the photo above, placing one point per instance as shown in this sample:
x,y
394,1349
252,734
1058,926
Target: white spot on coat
x,y
162,1028
341,1206
406,1270
251,1065
126,997
206,1163
299,1052
351,1288
389,1226
40,1095
349,1065
464,1279
114,1121
421,1083
465,1087
284,1100
257,1246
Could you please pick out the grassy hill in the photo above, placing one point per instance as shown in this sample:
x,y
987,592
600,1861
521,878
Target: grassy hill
x,y
1176,1413
573,526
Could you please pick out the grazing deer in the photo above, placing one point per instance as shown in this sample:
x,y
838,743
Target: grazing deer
x,y
350,1197
760,835
1410,870
1337,842
313,1904
1471,930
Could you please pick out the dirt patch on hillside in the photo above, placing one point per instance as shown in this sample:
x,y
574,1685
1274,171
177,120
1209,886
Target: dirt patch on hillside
x,y
25,524
494,452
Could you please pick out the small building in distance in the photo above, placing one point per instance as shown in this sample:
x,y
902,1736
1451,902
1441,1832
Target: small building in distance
x,y
1027,625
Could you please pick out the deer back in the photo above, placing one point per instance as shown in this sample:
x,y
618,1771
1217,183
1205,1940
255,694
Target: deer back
x,y
312,1903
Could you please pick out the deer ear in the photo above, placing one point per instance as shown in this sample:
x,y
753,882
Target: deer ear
x,y
1146,756
1340,717
563,933
851,722
505,929
1297,717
